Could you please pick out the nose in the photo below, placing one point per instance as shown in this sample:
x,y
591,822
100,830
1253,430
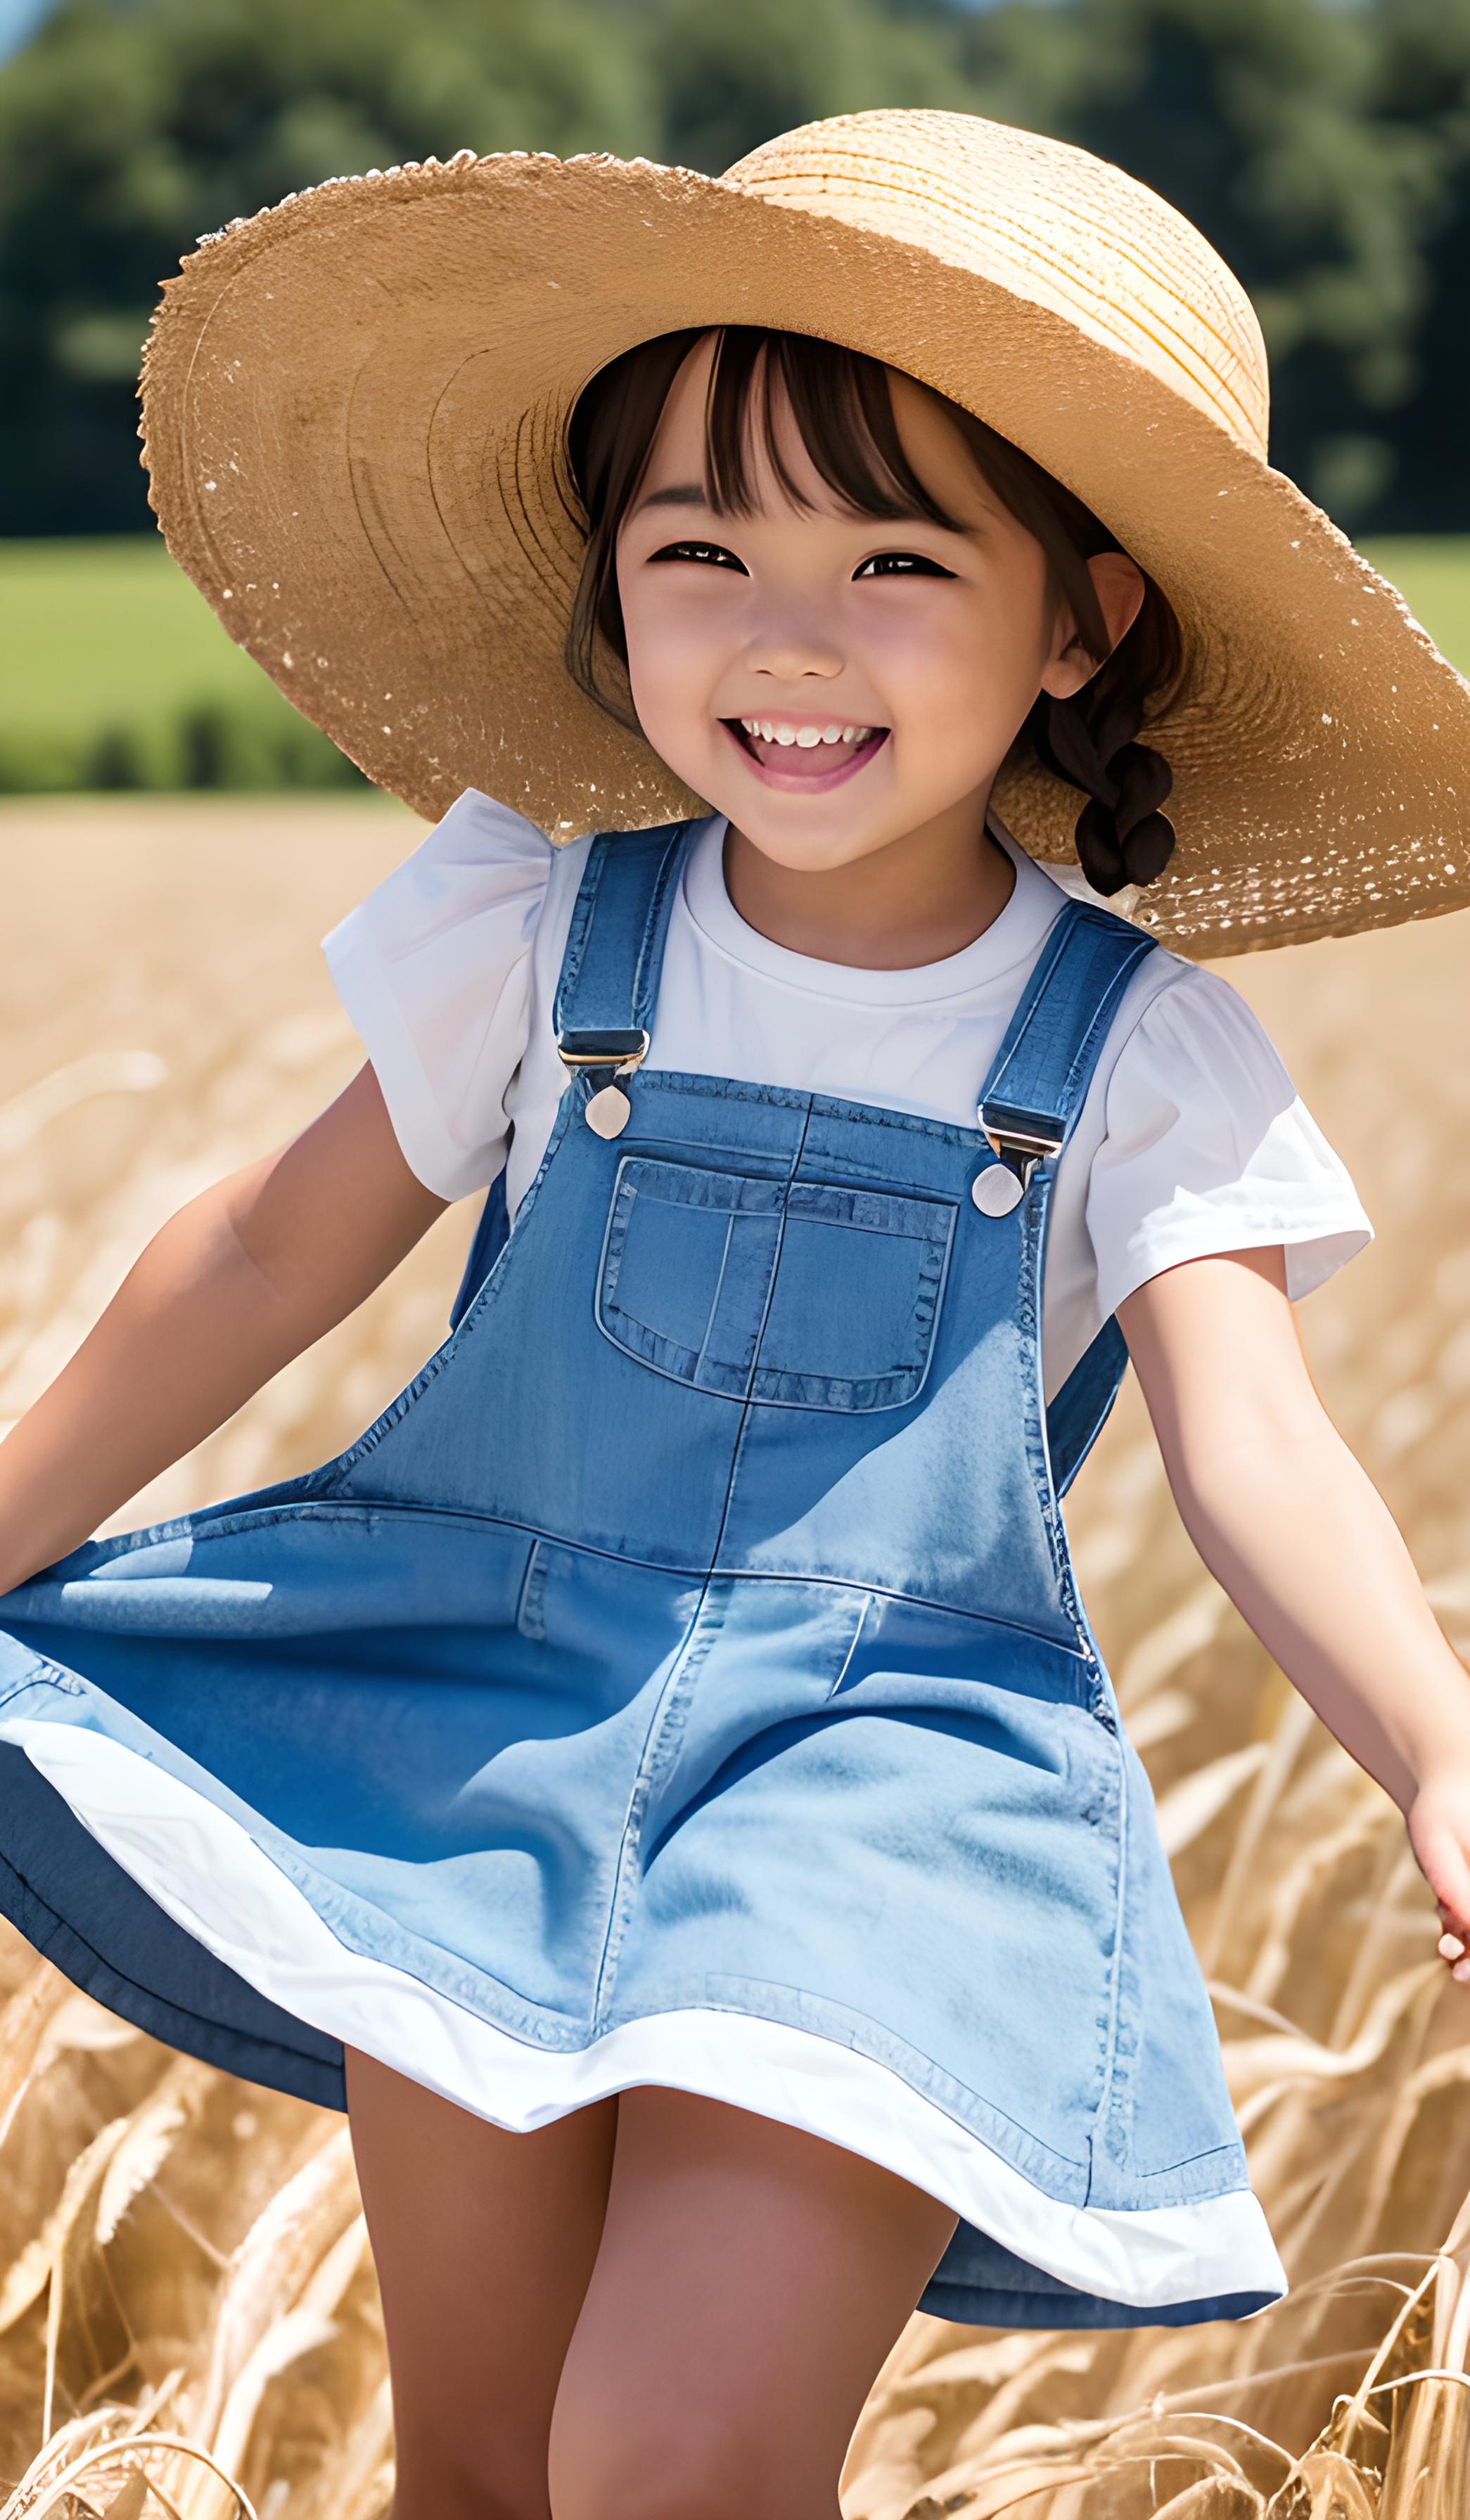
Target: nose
x,y
792,643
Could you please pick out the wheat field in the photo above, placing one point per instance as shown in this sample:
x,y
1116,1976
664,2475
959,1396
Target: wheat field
x,y
189,2323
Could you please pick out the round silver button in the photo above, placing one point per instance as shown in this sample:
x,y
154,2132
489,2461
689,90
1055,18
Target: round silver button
x,y
996,1191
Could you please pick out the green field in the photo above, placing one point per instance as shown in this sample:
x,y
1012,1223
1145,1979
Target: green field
x,y
115,673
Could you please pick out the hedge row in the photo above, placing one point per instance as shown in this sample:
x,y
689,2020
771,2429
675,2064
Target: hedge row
x,y
216,745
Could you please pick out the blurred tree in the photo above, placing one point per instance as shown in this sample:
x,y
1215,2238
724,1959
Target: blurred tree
x,y
1421,83
130,127
1254,117
728,79
128,130
1326,149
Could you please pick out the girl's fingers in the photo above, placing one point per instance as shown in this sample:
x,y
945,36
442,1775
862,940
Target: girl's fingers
x,y
1440,1833
1440,1841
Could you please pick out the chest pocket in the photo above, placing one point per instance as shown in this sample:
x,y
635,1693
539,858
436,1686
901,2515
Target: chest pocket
x,y
800,1295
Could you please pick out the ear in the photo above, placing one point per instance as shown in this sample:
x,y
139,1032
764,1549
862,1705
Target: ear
x,y
1118,584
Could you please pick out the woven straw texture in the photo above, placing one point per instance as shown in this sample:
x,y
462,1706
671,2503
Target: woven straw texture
x,y
353,416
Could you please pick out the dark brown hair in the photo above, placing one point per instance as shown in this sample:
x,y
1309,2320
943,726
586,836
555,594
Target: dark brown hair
x,y
843,410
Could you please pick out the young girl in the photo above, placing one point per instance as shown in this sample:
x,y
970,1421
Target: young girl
x,y
665,1761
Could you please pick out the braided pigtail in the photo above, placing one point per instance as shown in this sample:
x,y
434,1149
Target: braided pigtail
x,y
1123,837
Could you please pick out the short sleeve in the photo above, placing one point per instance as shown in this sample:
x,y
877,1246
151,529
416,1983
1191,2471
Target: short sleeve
x,y
1208,1147
433,969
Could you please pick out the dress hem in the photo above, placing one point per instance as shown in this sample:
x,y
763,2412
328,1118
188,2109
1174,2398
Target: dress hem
x,y
204,1869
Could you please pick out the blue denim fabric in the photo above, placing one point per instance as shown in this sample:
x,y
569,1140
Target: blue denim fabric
x,y
696,1628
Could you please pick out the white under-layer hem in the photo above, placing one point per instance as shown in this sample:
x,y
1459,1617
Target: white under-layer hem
x,y
209,1873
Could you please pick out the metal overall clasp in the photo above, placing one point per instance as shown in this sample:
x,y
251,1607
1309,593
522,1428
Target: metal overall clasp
x,y
1003,1186
603,1058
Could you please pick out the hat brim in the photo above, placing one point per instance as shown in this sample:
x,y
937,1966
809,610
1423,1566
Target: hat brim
x,y
354,408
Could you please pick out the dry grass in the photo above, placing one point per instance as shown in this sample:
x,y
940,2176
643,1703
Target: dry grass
x,y
188,2318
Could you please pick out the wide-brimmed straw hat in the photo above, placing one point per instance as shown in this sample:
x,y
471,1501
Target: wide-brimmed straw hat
x,y
355,416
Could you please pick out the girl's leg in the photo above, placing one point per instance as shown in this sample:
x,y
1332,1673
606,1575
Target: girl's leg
x,y
750,2283
483,2243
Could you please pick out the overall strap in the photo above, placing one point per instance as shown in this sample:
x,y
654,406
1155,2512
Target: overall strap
x,y
605,994
1031,1097
614,946
1044,1064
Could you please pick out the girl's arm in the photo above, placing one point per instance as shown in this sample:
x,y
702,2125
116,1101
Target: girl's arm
x,y
235,1286
1292,1527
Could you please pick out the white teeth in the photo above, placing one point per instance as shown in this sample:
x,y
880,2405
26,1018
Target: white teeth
x,y
773,731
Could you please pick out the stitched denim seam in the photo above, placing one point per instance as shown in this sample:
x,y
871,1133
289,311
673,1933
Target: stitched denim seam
x,y
530,1602
1034,1223
655,929
667,1183
647,1346
34,1679
659,1745
364,1508
772,1386
880,2045
1035,1218
892,1386
903,1385
738,1448
649,955
825,1107
1062,926
320,1483
1083,1057
579,927
803,1200
713,1312
1115,2115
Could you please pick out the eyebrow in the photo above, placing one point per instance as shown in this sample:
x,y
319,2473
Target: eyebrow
x,y
692,494
680,494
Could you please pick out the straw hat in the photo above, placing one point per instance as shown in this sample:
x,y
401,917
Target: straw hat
x,y
354,408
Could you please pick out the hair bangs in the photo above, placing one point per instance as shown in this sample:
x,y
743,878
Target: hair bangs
x,y
840,404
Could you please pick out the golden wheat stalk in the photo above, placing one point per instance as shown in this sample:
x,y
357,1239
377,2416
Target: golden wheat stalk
x,y
188,2318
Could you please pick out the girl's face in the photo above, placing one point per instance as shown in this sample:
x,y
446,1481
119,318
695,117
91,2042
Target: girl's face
x,y
833,682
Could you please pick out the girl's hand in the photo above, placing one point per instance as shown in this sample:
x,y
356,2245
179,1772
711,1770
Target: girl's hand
x,y
1293,1528
1438,1831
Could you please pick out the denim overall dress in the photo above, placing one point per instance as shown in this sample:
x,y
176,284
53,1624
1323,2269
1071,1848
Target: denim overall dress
x,y
682,1682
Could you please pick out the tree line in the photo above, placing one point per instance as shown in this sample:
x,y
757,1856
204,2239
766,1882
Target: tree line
x,y
1324,144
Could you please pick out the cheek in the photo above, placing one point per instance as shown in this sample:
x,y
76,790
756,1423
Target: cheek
x,y
670,653
957,672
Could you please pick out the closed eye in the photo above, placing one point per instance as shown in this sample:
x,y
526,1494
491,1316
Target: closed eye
x,y
704,556
900,563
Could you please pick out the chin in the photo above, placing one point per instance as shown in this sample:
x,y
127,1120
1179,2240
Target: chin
x,y
806,853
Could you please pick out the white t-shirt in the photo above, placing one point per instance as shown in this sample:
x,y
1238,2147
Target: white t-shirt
x,y
1191,1139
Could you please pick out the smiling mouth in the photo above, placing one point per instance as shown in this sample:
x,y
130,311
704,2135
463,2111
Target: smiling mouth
x,y
809,753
